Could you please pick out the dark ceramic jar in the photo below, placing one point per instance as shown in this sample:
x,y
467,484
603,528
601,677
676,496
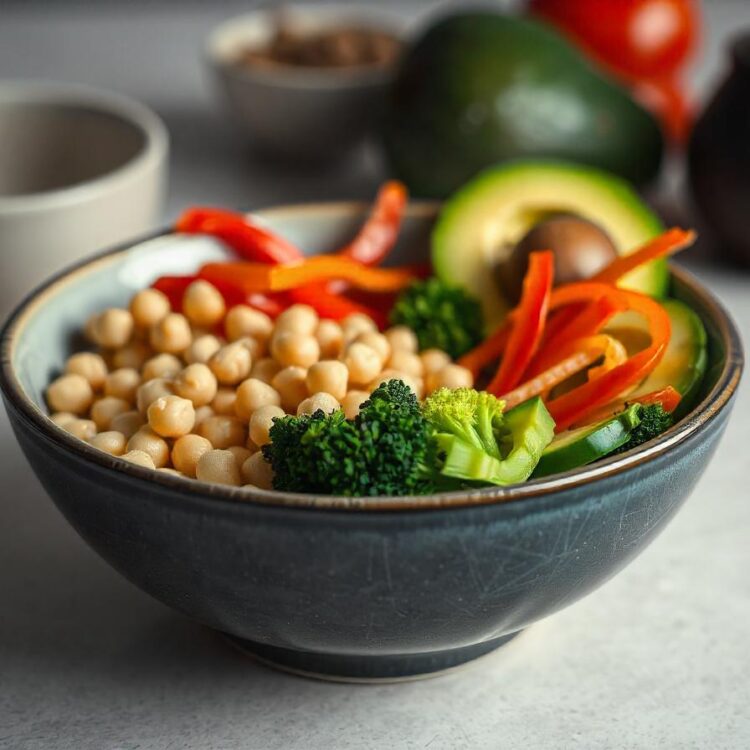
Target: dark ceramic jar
x,y
719,159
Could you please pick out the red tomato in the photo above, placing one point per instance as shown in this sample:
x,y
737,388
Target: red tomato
x,y
638,38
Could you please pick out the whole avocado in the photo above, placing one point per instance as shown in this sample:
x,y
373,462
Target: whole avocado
x,y
480,88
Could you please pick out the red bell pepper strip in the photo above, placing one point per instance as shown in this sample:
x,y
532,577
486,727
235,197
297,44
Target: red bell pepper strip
x,y
529,322
576,405
670,242
334,306
192,219
379,233
668,397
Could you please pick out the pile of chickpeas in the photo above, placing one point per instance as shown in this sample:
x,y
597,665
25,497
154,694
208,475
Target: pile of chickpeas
x,y
166,391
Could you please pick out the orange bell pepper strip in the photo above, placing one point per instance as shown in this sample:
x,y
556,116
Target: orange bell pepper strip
x,y
529,321
592,318
576,405
668,243
262,277
488,351
379,233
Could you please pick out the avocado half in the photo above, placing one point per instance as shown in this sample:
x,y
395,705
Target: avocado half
x,y
479,226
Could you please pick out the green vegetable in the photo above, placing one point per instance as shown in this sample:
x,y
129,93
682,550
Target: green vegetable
x,y
387,450
480,225
479,88
477,443
585,445
443,316
654,420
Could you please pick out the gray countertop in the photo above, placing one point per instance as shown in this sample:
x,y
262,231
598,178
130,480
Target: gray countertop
x,y
657,657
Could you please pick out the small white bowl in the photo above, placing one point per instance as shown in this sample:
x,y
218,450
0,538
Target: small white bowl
x,y
80,170
309,114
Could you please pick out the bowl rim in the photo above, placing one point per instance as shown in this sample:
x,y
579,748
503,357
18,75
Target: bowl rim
x,y
202,493
149,124
308,78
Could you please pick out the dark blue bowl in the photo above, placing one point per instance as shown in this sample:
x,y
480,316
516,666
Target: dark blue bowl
x,y
340,587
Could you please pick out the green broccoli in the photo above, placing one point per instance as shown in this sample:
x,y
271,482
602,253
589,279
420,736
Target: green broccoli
x,y
654,420
442,316
478,443
387,450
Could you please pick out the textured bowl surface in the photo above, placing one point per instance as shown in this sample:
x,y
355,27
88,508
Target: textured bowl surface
x,y
382,588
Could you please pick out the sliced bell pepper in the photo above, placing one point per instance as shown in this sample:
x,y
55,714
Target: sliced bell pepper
x,y
489,350
379,233
529,321
334,306
668,397
262,277
576,405
672,241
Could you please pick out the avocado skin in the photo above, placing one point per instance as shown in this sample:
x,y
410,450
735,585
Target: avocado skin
x,y
481,87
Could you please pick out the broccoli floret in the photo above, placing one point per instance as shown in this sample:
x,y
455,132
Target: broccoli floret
x,y
654,420
442,316
475,417
387,450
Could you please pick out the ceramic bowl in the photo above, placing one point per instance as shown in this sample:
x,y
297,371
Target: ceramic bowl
x,y
354,589
304,114
80,169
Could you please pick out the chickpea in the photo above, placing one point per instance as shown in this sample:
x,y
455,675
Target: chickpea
x,y
111,329
123,383
262,421
324,402
434,360
171,416
356,323
134,356
451,376
291,386
106,409
139,458
251,395
224,402
330,338
242,321
352,402
289,349
330,376
363,363
161,366
402,337
186,452
416,384
91,366
63,418
197,383
407,362
202,413
265,369
202,349
110,442
258,349
148,307
231,364
300,319
218,467
257,472
376,341
83,429
223,432
203,304
240,454
148,441
71,393
148,392
171,334
127,423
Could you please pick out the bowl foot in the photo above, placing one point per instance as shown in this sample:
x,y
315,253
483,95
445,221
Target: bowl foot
x,y
379,668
